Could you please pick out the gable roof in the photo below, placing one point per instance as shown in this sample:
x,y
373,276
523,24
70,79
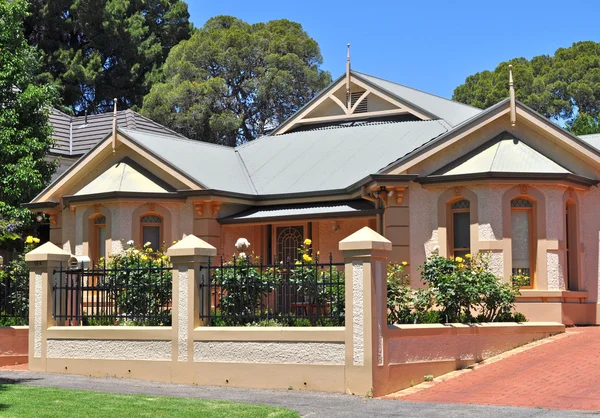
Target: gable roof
x,y
213,166
74,136
504,154
124,176
452,112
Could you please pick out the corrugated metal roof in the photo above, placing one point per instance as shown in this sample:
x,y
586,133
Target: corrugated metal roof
x,y
287,211
506,155
213,166
329,159
592,139
123,177
452,112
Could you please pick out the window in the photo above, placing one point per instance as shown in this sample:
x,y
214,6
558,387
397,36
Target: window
x,y
460,228
151,226
289,240
572,246
521,213
99,243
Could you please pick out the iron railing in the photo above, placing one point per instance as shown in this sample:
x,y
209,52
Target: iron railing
x,y
134,295
286,294
14,296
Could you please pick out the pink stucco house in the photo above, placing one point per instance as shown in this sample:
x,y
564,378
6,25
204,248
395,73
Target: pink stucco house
x,y
430,174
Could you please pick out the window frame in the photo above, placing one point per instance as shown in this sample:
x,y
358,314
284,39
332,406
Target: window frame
x,y
152,224
532,238
450,238
94,242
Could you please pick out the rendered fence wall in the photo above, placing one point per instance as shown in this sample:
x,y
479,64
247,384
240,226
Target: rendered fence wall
x,y
13,345
366,357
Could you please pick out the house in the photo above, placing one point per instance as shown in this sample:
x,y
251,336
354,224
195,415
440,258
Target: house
x,y
430,174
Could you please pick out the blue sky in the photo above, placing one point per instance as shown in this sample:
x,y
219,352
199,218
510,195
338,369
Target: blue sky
x,y
429,45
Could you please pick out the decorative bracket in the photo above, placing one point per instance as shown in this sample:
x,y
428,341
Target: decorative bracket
x,y
523,188
458,191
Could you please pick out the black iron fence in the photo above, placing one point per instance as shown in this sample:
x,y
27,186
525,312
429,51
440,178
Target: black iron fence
x,y
138,294
279,294
14,296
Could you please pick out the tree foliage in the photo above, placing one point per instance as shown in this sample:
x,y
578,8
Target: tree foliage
x,y
560,87
232,81
101,49
25,135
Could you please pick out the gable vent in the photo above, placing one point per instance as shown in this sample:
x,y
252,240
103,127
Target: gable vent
x,y
362,107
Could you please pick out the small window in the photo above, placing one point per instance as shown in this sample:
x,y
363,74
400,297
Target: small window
x,y
151,226
98,242
522,239
460,237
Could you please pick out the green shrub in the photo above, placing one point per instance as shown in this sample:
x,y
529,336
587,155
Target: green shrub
x,y
145,289
456,290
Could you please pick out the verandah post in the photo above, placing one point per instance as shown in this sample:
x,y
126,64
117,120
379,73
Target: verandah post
x,y
42,262
365,255
190,260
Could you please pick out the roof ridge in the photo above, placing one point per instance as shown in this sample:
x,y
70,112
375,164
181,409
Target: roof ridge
x,y
156,123
178,137
420,91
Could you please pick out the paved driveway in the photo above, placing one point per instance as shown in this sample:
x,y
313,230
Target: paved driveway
x,y
562,374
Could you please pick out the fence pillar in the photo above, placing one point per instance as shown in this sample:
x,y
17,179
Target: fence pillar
x,y
187,256
41,262
365,254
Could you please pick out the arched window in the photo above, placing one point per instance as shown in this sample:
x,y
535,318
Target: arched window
x,y
151,227
289,240
459,239
523,243
98,247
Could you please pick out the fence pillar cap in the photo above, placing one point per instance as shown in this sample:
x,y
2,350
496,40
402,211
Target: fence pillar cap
x,y
366,239
191,245
48,252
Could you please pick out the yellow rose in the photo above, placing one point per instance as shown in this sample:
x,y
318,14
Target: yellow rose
x,y
29,240
468,255
144,257
307,241
36,240
459,259
404,263
297,262
307,258
149,250
461,265
165,257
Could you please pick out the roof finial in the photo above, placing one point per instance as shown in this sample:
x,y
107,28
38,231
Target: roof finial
x,y
114,131
348,99
511,92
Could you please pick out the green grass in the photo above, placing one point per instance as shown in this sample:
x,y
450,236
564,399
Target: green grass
x,y
29,401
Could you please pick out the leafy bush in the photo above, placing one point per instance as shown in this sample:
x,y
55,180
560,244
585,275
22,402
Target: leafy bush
x,y
457,290
145,288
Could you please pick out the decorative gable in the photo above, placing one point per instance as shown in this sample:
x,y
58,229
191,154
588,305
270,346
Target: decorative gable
x,y
125,176
351,99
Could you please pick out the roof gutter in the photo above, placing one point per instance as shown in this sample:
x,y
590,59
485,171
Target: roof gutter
x,y
514,177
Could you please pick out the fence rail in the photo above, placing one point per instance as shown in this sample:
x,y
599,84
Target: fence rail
x,y
134,295
289,294
14,296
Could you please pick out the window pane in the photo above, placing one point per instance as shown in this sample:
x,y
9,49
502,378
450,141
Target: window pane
x,y
101,233
462,235
151,234
520,239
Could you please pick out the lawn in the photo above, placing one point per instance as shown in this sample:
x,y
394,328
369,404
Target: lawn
x,y
29,401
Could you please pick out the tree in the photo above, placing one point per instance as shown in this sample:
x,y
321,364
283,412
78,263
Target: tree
x,y
101,49
559,87
25,134
233,81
